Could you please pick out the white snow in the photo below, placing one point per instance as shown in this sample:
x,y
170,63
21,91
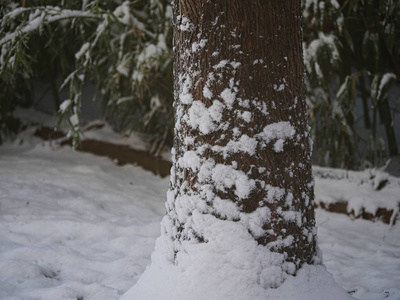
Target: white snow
x,y
207,92
246,116
74,120
82,51
278,146
255,220
358,190
228,96
149,52
215,110
385,79
279,88
185,25
200,118
186,84
310,51
221,64
364,257
123,68
279,131
51,14
64,106
123,14
226,176
203,118
190,160
243,144
70,224
73,225
196,46
234,264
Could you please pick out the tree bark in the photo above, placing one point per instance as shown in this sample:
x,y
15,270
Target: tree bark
x,y
242,146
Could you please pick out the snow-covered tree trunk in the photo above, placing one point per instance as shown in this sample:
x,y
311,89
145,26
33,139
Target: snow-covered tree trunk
x,y
242,147
240,217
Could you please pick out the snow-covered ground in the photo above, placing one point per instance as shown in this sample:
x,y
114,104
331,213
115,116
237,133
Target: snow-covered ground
x,y
76,226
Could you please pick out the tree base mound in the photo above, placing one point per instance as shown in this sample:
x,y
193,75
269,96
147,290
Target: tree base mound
x,y
312,282
230,265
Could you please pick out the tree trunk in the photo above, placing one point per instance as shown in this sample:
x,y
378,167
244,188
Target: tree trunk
x,y
240,217
241,133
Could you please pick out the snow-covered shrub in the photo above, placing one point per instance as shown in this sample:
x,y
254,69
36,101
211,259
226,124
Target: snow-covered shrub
x,y
124,48
351,55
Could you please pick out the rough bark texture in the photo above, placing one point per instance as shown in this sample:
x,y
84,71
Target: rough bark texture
x,y
240,113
